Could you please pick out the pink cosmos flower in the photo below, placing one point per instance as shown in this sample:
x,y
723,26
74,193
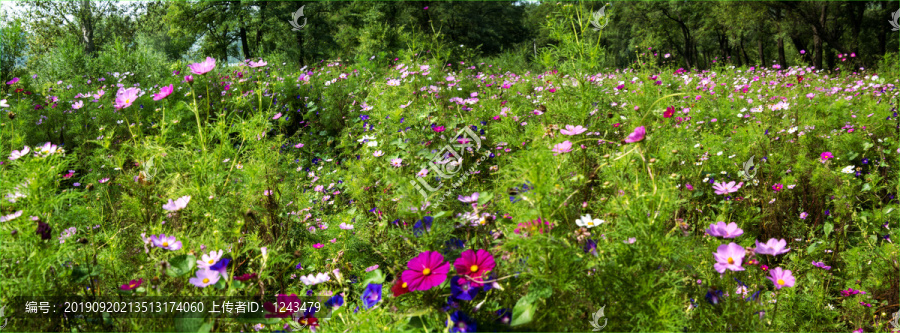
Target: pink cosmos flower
x,y
637,135
468,199
825,156
781,278
427,270
277,115
205,277
723,188
438,129
772,247
563,147
124,97
178,204
318,245
728,257
189,78
261,63
13,81
723,230
204,67
164,92
474,264
77,105
16,154
572,130
777,187
169,243
803,215
397,162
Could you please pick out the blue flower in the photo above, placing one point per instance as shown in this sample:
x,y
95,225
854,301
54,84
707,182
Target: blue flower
x,y
460,322
590,247
453,244
364,117
372,295
335,301
461,289
714,296
221,267
504,315
299,266
422,225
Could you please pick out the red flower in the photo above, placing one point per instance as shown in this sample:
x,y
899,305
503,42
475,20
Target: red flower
x,y
799,78
399,288
669,112
132,285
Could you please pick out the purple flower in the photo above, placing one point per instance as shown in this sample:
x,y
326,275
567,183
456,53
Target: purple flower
x,y
772,247
729,257
460,323
803,215
461,289
13,81
781,278
204,278
422,225
723,230
372,295
637,135
221,267
821,265
204,67
169,243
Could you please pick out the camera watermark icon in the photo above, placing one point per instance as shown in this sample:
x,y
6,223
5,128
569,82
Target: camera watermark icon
x,y
894,17
448,162
597,16
296,15
2,315
596,320
895,322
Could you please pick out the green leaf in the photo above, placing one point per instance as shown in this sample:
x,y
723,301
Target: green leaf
x,y
484,198
812,247
188,324
375,277
866,187
829,227
181,265
439,214
523,312
79,274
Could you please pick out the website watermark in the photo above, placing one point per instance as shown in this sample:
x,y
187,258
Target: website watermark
x,y
894,18
447,163
597,17
595,322
296,15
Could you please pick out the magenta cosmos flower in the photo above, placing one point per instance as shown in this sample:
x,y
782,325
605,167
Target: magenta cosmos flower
x,y
723,188
132,285
637,135
474,264
826,155
728,257
204,67
572,130
723,230
13,81
781,278
563,147
164,92
124,97
426,270
169,243
773,247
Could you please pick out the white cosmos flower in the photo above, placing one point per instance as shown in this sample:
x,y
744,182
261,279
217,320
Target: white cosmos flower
x,y
848,169
209,259
588,222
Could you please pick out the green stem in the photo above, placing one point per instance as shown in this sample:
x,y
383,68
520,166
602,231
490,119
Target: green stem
x,y
197,116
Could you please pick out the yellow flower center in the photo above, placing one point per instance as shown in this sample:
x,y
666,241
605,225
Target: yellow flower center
x,y
426,271
780,282
404,285
127,101
205,280
474,268
131,285
211,261
165,244
590,223
730,261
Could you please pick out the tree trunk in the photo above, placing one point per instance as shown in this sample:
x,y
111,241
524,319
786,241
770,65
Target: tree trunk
x,y
744,51
87,28
762,51
817,38
782,60
244,46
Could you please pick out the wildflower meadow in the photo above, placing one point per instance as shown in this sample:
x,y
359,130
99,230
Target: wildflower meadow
x,y
407,189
